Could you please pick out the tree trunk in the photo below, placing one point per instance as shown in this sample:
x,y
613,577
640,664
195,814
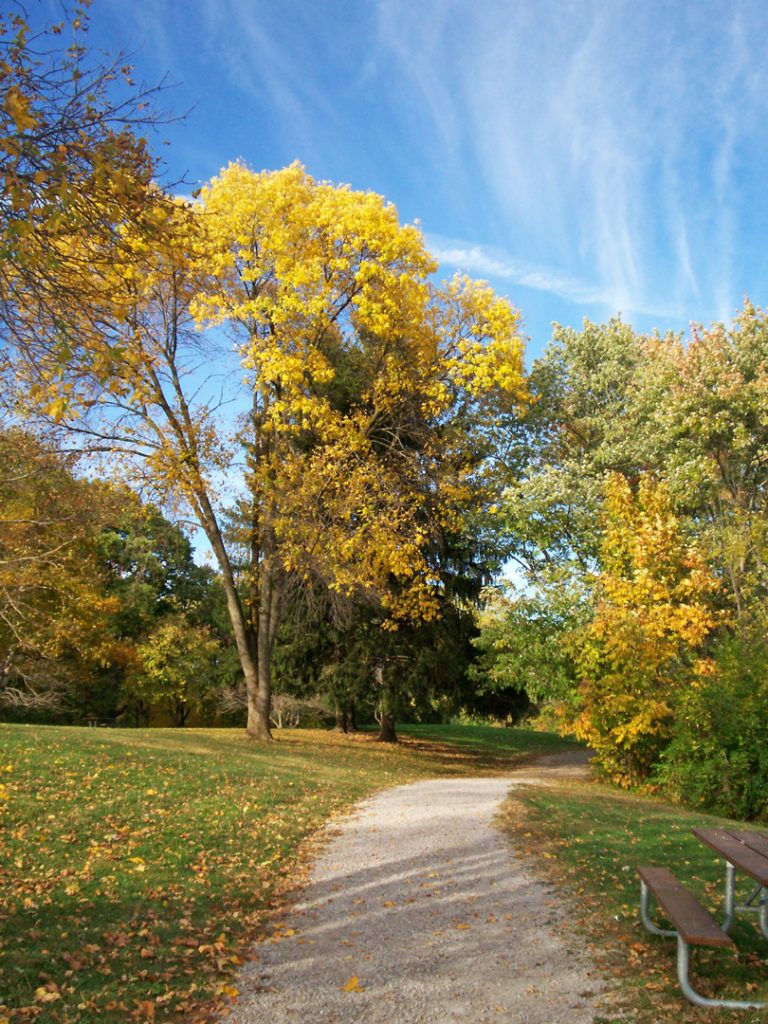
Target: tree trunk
x,y
180,712
351,719
258,705
342,723
266,626
387,732
250,654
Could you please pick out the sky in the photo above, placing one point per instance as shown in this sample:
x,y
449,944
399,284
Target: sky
x,y
586,158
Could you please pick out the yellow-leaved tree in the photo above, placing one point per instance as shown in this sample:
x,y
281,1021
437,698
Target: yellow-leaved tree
x,y
74,171
364,395
645,645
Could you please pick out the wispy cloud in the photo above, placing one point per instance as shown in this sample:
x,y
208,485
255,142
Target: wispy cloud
x,y
247,43
611,138
486,261
609,154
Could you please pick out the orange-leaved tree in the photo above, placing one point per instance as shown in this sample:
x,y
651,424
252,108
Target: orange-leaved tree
x,y
363,392
646,643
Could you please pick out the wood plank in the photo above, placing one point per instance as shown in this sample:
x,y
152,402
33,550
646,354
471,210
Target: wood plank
x,y
690,919
741,856
756,841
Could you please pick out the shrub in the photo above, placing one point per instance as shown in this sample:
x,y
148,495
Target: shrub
x,y
718,758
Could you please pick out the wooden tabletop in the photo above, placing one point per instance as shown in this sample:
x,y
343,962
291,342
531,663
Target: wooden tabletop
x,y
747,851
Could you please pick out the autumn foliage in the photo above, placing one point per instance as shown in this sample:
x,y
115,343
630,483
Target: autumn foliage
x,y
360,445
364,390
645,645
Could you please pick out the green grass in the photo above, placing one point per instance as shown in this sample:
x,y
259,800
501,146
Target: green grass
x,y
590,839
492,738
137,866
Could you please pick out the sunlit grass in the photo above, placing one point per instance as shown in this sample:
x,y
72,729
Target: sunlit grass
x,y
590,839
137,866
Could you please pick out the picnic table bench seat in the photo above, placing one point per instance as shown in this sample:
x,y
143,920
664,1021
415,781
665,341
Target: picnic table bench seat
x,y
693,926
691,920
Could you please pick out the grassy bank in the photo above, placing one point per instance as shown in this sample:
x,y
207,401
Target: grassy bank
x,y
137,866
590,839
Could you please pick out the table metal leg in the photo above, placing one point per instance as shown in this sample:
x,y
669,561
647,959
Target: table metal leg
x,y
763,912
683,969
756,903
645,916
730,896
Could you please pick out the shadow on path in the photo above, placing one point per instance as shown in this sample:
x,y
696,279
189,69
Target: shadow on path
x,y
417,912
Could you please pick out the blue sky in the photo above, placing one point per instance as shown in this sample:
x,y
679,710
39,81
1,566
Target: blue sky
x,y
586,158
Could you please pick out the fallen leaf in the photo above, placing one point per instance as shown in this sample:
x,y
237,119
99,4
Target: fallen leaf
x,y
353,985
46,995
146,1009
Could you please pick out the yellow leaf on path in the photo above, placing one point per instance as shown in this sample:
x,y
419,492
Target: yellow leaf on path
x,y
390,903
462,927
353,985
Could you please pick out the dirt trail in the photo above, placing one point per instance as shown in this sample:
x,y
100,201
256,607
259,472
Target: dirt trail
x,y
418,912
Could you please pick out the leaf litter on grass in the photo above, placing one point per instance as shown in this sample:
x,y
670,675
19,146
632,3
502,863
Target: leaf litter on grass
x,y
138,866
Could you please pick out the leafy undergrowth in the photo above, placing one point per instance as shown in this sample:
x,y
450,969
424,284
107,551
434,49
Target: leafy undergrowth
x,y
138,866
589,839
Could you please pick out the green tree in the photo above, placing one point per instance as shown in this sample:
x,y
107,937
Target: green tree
x,y
717,467
150,575
176,663
524,645
592,416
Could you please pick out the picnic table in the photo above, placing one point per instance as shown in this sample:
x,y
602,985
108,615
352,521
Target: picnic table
x,y
693,925
746,852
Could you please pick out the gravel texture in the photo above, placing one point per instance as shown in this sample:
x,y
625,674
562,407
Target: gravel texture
x,y
418,912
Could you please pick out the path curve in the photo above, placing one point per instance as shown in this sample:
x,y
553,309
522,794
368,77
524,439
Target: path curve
x,y
418,912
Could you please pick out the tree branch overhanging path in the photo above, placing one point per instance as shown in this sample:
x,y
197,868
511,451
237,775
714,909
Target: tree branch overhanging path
x,y
417,912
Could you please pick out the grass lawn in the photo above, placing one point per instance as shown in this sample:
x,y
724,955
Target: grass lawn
x,y
489,738
589,839
138,866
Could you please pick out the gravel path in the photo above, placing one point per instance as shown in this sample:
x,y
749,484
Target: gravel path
x,y
417,912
